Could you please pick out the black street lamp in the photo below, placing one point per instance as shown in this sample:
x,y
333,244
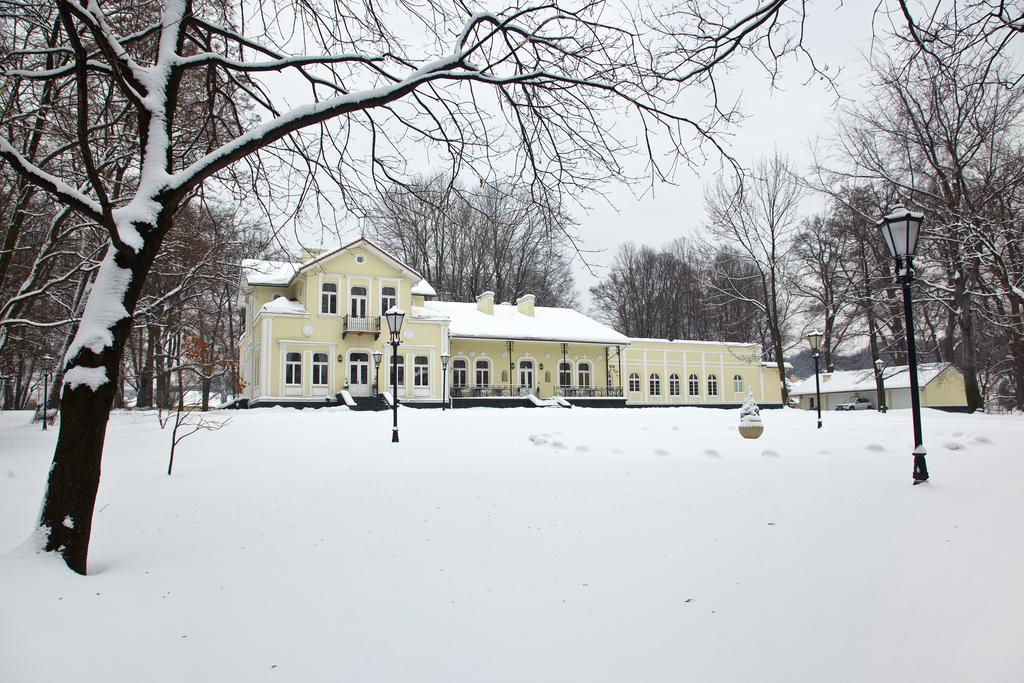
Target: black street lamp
x,y
377,356
47,359
815,340
444,381
900,231
880,367
394,316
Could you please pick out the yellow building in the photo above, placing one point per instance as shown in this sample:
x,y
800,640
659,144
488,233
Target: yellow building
x,y
314,331
941,386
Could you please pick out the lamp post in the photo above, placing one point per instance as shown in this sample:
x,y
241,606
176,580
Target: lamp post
x,y
47,359
815,340
394,316
444,380
880,366
377,356
900,231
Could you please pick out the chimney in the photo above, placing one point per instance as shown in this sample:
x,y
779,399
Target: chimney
x,y
485,303
525,304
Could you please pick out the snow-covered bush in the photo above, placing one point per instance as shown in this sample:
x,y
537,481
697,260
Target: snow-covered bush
x,y
749,412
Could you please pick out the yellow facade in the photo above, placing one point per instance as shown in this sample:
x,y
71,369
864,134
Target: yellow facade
x,y
662,372
312,329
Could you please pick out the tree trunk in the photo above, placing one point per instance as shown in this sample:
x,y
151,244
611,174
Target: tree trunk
x,y
144,398
206,393
75,474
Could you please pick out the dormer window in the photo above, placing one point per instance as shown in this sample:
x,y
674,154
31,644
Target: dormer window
x,y
388,298
329,298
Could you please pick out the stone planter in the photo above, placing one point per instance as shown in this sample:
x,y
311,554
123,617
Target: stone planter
x,y
751,430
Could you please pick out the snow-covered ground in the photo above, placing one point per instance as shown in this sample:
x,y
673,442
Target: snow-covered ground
x,y
526,545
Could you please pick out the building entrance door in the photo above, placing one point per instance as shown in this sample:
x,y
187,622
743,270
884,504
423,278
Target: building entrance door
x,y
359,374
526,383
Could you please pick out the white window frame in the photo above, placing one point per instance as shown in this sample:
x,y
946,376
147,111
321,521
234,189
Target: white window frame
x,y
456,370
584,374
564,372
737,384
674,386
486,362
331,298
654,384
394,299
364,298
712,385
320,369
693,382
421,372
634,382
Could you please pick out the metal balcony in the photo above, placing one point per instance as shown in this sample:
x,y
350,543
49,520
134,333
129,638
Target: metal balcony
x,y
368,325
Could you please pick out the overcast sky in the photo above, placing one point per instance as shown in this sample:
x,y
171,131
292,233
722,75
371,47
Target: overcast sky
x,y
788,118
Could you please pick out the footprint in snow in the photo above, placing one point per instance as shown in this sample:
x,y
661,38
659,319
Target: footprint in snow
x,y
824,452
661,451
557,444
982,439
770,454
957,434
876,447
712,453
538,440
617,451
582,449
954,445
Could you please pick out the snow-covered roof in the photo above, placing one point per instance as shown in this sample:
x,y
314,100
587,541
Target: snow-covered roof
x,y
546,324
423,288
277,273
690,341
842,381
281,273
284,306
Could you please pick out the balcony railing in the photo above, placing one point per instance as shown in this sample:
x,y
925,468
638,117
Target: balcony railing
x,y
492,391
367,325
589,392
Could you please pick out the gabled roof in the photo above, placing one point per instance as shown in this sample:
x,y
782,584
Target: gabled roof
x,y
282,273
895,377
507,323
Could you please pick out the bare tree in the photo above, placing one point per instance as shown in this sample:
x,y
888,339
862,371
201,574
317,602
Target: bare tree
x,y
467,240
175,93
752,220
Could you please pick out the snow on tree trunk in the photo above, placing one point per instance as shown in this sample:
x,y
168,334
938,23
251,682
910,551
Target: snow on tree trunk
x,y
91,373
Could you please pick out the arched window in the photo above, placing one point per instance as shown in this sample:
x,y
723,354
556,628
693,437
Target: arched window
x,y
483,373
358,305
320,369
737,384
398,361
460,372
564,374
673,384
388,298
293,368
634,382
712,385
421,371
329,298
655,384
583,374
694,385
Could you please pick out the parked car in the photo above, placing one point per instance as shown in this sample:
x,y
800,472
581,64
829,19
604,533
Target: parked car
x,y
858,403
